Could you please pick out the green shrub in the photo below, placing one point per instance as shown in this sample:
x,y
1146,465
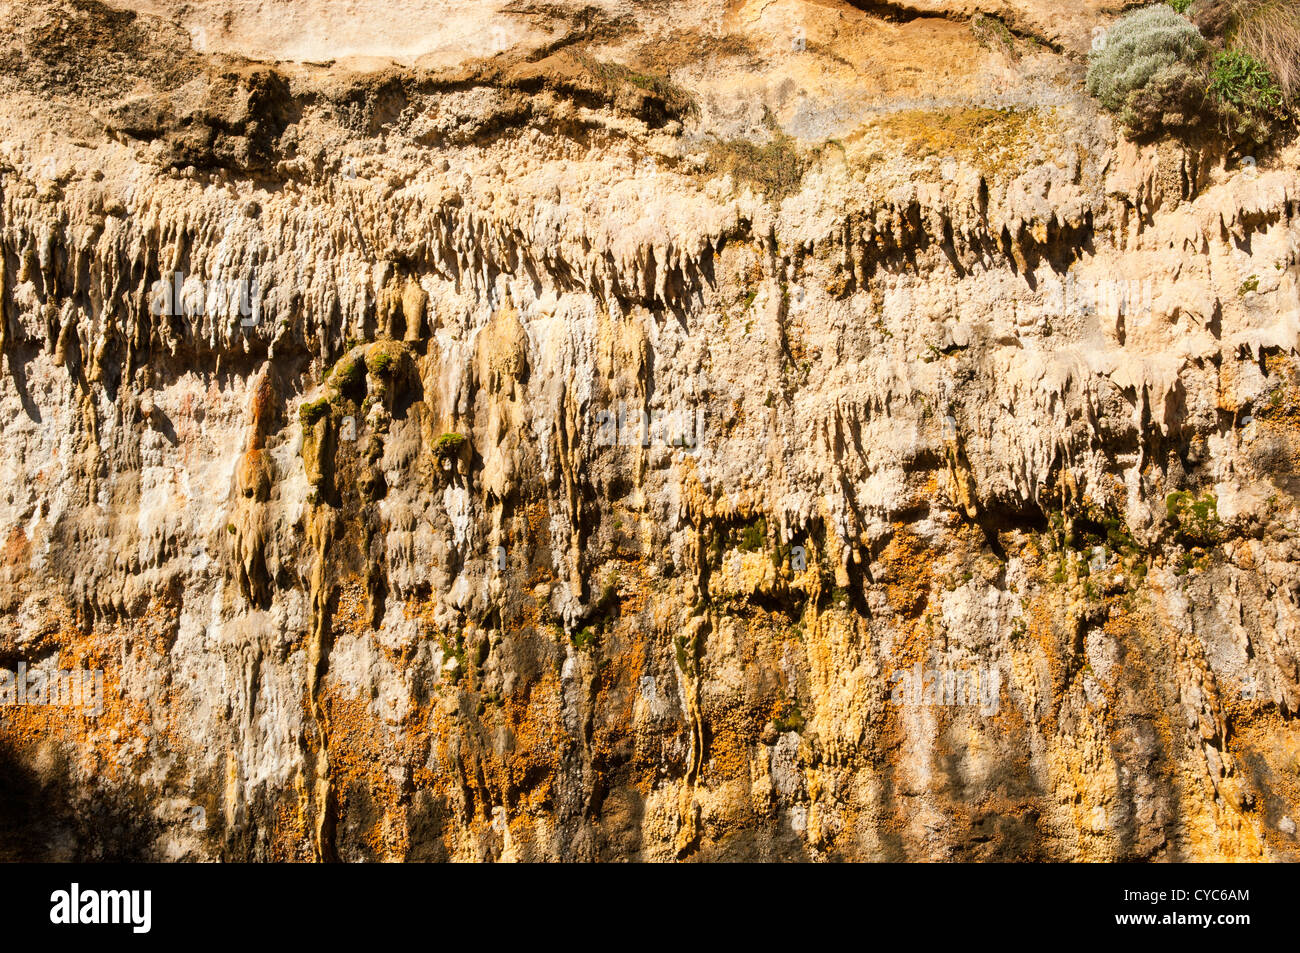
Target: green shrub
x,y
1180,5
1269,32
449,444
1248,96
1150,72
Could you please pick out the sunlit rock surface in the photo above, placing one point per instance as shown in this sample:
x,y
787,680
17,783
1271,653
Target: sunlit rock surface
x,y
618,431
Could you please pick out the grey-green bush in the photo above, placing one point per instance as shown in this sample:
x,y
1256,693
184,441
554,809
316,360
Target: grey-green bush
x,y
1150,72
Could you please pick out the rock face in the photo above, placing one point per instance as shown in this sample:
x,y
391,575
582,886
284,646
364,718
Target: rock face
x,y
623,431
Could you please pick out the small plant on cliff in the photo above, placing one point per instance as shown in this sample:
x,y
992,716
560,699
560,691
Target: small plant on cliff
x,y
1150,70
614,79
1248,96
313,410
1268,31
992,32
775,168
381,363
449,445
1196,518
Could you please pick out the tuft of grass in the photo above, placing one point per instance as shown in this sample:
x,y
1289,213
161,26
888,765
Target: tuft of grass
x,y
775,168
613,78
991,32
1269,32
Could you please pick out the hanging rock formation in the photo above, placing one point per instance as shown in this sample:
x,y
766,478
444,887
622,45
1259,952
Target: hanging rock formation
x,y
750,431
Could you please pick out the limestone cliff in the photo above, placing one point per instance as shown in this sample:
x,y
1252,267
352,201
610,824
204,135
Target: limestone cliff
x,y
637,430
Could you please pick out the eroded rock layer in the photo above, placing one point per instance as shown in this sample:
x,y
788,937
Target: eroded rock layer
x,y
758,431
